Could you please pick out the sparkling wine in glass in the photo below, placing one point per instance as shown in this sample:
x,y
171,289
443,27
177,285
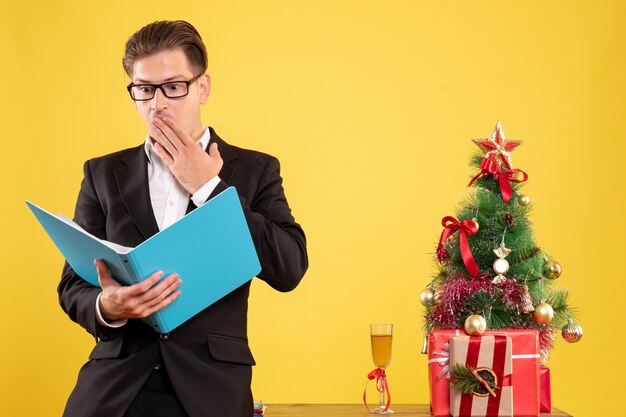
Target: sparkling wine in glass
x,y
381,337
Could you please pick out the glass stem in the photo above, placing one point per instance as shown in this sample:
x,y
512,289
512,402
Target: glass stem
x,y
381,397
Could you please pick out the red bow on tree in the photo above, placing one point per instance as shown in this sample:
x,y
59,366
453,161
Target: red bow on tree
x,y
465,227
489,166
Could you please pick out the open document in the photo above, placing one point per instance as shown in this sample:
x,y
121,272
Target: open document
x,y
210,249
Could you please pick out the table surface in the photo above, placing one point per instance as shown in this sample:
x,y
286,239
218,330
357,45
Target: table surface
x,y
358,410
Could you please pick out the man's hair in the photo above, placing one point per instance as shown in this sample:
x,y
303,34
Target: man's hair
x,y
166,35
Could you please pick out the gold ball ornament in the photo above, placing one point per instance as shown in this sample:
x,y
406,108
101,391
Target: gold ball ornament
x,y
543,313
475,220
475,325
552,269
571,332
427,297
523,200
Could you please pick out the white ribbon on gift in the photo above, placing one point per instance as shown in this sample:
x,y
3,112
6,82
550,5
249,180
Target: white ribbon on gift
x,y
444,361
528,356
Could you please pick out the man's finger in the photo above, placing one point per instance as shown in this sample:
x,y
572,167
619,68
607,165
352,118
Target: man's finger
x,y
167,301
214,151
157,290
104,279
171,124
177,137
163,154
101,267
145,285
163,292
160,137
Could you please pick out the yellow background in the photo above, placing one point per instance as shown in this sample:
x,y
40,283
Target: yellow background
x,y
370,106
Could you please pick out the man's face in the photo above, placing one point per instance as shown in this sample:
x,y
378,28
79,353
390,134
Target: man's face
x,y
171,65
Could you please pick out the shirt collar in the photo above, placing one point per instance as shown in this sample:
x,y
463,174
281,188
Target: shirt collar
x,y
150,151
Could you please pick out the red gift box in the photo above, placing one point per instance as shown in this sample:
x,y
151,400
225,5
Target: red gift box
x,y
487,353
439,370
545,405
525,368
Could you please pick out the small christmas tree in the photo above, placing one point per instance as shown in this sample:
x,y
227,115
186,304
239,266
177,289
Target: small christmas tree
x,y
491,272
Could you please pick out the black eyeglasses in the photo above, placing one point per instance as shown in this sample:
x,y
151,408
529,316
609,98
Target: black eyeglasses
x,y
170,89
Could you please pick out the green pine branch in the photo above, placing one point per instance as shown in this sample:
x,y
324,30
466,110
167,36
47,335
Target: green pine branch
x,y
496,313
462,380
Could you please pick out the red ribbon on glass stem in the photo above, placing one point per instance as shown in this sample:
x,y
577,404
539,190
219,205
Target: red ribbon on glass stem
x,y
381,386
489,166
465,227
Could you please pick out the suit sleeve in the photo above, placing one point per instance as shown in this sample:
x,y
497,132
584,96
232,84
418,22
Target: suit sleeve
x,y
280,241
76,296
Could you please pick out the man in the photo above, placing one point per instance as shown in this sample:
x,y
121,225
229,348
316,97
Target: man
x,y
203,367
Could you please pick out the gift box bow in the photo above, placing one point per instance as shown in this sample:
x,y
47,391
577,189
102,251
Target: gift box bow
x,y
443,361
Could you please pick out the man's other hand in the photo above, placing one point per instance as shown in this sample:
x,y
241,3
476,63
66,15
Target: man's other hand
x,y
190,164
136,301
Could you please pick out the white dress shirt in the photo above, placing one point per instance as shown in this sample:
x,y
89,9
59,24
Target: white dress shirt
x,y
169,199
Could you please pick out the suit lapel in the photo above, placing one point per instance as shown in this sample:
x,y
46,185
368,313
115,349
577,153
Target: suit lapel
x,y
228,154
132,183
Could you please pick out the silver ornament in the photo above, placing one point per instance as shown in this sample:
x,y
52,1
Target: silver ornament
x,y
528,306
425,345
571,332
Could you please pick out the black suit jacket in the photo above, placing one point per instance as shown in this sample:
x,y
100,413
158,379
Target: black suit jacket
x,y
207,358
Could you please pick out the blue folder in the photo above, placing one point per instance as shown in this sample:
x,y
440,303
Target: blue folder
x,y
210,248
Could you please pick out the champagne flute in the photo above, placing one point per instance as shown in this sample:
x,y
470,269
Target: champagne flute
x,y
381,337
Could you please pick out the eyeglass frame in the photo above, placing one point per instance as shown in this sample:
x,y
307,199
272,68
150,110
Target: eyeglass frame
x,y
160,87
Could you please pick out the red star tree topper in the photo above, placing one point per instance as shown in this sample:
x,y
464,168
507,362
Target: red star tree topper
x,y
497,147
